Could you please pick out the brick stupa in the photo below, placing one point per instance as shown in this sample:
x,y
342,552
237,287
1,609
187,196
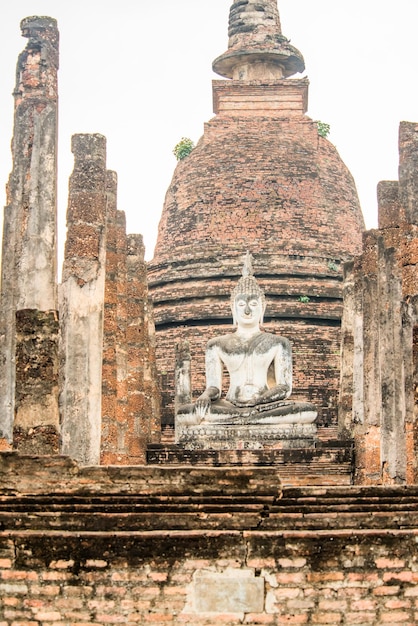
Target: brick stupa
x,y
260,179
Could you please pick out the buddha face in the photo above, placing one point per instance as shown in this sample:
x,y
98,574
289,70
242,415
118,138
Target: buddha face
x,y
248,311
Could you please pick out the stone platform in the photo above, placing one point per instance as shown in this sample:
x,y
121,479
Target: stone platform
x,y
328,463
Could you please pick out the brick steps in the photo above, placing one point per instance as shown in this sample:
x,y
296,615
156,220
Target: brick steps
x,y
329,463
53,495
304,509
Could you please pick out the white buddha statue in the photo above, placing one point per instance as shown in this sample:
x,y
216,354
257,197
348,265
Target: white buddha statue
x,y
259,366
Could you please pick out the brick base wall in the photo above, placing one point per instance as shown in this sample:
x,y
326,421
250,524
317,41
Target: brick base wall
x,y
144,578
141,545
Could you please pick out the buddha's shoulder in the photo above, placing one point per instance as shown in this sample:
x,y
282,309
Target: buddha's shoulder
x,y
222,341
273,340
261,342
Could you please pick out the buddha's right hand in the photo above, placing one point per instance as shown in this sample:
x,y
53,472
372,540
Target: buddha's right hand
x,y
202,405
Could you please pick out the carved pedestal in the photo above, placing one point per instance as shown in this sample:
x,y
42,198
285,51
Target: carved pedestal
x,y
244,436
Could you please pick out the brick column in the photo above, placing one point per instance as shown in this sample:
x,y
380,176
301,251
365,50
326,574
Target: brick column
x,y
143,396
383,366
131,405
82,301
109,367
408,194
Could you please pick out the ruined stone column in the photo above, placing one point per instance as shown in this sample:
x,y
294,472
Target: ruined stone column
x,y
110,328
143,408
183,375
345,410
408,168
130,396
121,317
382,310
82,301
408,194
28,280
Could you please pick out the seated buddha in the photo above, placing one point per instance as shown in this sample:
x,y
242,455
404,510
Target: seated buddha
x,y
259,366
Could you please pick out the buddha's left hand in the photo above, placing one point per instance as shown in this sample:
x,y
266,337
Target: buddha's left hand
x,y
278,392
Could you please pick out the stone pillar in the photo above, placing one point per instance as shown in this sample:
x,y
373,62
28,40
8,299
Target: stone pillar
x,y
28,278
408,168
143,396
379,385
82,301
110,327
151,379
131,404
366,388
121,316
183,375
408,196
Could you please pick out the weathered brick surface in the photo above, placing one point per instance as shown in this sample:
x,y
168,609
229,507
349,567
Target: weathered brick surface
x,y
285,98
408,167
143,394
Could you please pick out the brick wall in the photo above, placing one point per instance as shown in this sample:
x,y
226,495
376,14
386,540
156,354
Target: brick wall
x,y
309,580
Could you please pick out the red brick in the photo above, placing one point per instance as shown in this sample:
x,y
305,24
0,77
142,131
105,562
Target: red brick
x,y
290,578
163,618
385,563
327,618
386,590
259,618
395,617
105,618
363,605
403,576
19,575
360,618
48,616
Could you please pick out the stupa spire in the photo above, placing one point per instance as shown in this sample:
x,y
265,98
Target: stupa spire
x,y
257,48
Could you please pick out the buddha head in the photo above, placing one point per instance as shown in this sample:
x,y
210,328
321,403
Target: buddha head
x,y
247,298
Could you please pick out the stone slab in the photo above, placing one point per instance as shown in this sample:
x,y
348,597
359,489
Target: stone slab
x,y
233,591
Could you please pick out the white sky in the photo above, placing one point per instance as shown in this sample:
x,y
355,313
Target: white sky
x,y
139,72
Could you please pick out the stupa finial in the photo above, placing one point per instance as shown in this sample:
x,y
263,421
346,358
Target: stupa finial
x,y
257,49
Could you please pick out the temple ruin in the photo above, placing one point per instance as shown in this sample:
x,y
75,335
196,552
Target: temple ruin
x,y
105,515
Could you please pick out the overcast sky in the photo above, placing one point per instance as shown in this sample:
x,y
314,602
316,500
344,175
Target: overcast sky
x,y
139,72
